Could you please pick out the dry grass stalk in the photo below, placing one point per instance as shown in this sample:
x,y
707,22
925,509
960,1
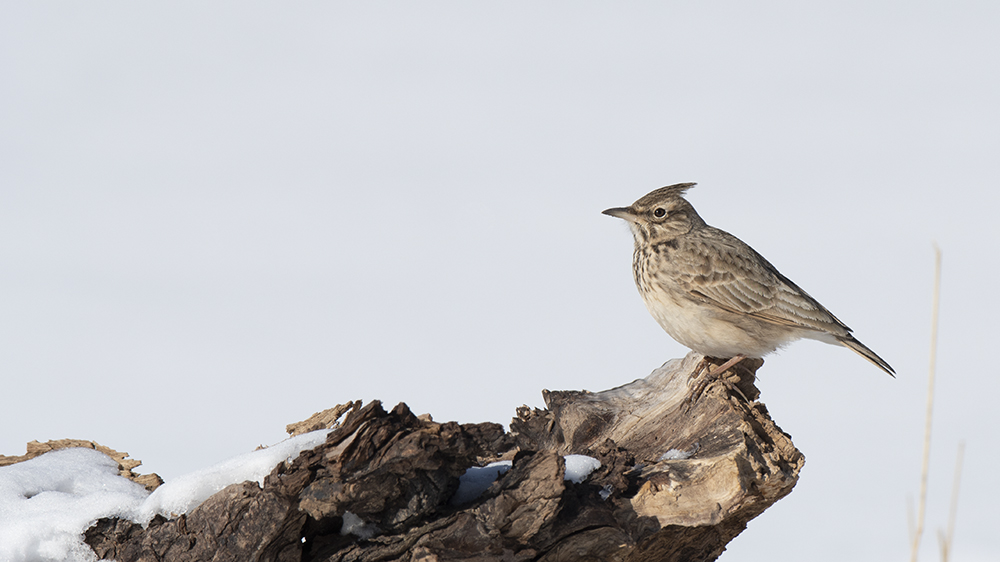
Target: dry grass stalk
x,y
946,537
922,501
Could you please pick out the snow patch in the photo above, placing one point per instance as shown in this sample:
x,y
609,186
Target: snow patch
x,y
46,503
476,479
354,525
579,467
677,454
184,493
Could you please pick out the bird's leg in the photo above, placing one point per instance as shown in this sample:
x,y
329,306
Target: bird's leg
x,y
712,375
702,366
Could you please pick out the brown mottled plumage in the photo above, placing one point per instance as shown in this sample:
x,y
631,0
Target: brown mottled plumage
x,y
715,294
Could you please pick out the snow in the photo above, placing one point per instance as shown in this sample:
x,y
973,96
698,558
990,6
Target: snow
x,y
477,478
355,525
673,455
677,454
186,492
579,467
46,503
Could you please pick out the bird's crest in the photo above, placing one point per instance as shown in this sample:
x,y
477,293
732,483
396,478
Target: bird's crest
x,y
676,190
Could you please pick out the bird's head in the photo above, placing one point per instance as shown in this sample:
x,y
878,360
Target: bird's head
x,y
660,215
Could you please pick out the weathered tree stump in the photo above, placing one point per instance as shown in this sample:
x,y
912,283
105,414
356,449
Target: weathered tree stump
x,y
680,476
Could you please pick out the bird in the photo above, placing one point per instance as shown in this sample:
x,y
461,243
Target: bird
x,y
715,294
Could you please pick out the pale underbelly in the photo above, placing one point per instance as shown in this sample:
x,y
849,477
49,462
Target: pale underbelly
x,y
716,332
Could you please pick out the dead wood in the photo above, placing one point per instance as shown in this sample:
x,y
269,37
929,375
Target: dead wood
x,y
680,476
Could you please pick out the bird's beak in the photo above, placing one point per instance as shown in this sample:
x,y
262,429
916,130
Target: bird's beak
x,y
622,213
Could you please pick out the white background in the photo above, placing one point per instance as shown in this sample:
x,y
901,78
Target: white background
x,y
217,219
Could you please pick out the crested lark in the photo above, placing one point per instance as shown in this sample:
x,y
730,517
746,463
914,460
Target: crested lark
x,y
716,295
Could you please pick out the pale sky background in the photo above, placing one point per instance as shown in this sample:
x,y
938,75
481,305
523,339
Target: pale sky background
x,y
218,218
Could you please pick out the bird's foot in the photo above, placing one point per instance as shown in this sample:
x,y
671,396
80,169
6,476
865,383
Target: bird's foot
x,y
713,374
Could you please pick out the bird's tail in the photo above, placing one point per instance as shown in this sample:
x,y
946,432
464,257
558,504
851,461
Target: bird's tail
x,y
862,350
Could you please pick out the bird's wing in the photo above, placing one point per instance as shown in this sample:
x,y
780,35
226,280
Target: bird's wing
x,y
720,269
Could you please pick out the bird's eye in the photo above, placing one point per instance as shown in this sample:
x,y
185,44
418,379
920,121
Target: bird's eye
x,y
659,212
